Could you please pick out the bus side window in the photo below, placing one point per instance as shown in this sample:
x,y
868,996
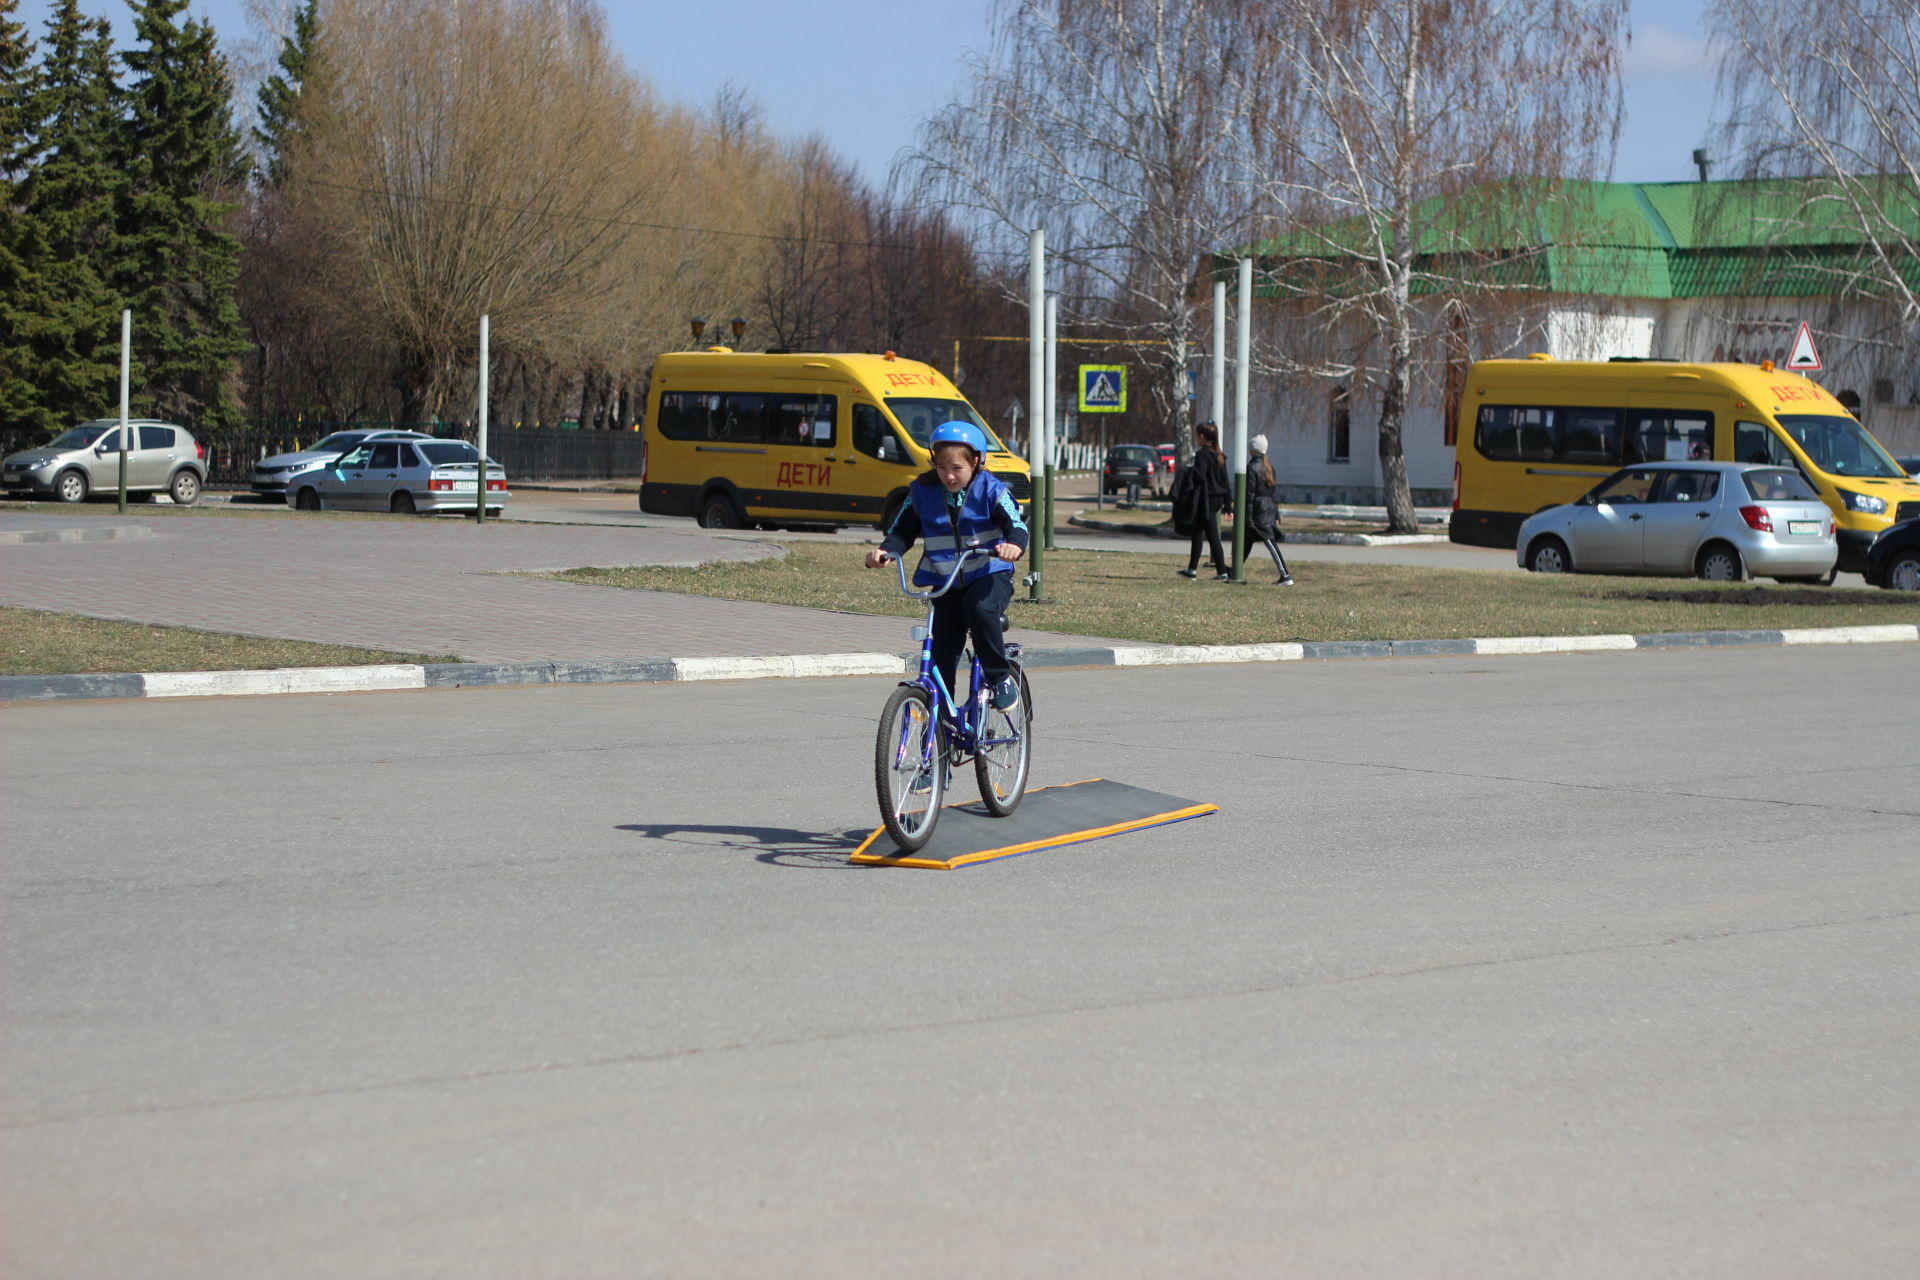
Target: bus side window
x,y
1590,435
1664,435
1755,442
873,435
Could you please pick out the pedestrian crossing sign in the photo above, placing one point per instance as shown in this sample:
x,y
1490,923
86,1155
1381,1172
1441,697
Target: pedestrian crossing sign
x,y
1103,388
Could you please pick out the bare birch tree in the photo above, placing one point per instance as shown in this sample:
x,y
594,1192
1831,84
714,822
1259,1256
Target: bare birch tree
x,y
1120,127
1829,91
1410,111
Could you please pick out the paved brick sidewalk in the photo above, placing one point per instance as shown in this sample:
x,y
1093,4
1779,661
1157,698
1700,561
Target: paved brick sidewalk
x,y
431,587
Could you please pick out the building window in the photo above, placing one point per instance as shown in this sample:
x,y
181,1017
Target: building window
x,y
1340,428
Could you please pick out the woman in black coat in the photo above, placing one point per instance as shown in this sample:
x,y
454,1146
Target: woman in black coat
x,y
1263,512
1201,495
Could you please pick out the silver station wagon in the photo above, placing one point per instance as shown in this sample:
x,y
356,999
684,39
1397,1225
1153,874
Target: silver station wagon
x,y
402,476
1722,521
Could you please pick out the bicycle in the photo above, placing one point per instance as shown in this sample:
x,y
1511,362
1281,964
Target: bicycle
x,y
924,733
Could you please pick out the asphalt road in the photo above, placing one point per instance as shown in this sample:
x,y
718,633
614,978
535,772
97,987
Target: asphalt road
x,y
1557,966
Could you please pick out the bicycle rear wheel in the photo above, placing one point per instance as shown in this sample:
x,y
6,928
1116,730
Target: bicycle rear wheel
x,y
1006,747
908,776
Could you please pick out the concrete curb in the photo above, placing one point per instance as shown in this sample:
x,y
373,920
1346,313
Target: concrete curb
x,y
1288,537
464,675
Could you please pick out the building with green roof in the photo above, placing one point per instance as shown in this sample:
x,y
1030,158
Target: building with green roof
x,y
1587,271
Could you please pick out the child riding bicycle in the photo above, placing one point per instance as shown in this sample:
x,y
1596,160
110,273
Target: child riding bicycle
x,y
957,504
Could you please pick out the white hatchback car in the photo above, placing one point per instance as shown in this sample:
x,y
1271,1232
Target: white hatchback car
x,y
1722,521
402,476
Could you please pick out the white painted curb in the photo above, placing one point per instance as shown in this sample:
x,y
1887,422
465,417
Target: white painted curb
x,y
206,684
1852,635
1551,644
810,664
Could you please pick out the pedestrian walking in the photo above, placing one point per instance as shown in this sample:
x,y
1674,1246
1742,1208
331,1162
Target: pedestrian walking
x,y
1263,511
1199,496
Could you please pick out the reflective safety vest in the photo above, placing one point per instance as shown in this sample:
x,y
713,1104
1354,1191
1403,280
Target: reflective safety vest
x,y
940,542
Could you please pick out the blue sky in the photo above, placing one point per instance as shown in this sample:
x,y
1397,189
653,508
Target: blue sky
x,y
862,72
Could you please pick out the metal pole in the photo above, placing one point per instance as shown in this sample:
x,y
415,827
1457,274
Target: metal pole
x,y
126,384
480,494
1217,410
1242,352
1053,404
1037,394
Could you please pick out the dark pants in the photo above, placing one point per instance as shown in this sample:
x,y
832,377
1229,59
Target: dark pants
x,y
974,608
1266,536
1211,532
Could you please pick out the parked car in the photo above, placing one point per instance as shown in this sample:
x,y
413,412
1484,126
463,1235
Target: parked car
x,y
271,474
163,458
1893,559
1910,465
1128,464
1169,461
402,476
1722,521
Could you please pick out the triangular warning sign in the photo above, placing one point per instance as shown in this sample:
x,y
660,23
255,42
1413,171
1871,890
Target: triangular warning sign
x,y
1803,355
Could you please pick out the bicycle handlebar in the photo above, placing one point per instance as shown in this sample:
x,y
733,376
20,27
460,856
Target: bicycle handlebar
x,y
968,556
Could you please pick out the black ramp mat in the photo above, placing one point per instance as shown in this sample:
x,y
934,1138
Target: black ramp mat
x,y
1046,819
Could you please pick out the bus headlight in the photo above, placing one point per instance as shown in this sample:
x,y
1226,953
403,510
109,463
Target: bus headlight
x,y
1863,502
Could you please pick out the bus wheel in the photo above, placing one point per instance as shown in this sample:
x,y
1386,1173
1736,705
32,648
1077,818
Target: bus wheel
x,y
1549,555
717,512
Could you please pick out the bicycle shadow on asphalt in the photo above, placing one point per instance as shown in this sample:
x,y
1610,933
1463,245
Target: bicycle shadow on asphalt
x,y
775,846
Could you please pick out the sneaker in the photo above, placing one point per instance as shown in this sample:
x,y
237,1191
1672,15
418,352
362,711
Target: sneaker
x,y
1187,573
1006,693
1223,577
1284,582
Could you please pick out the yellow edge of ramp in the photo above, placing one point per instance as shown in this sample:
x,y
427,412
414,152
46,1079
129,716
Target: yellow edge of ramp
x,y
864,857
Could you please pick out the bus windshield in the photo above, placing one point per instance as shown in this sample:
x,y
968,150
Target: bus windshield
x,y
1839,446
920,417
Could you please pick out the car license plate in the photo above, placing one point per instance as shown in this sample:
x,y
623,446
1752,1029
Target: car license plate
x,y
463,486
1803,526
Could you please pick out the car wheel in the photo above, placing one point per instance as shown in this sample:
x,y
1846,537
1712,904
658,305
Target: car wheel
x,y
1719,562
71,487
401,504
717,512
306,500
1549,555
185,489
1903,572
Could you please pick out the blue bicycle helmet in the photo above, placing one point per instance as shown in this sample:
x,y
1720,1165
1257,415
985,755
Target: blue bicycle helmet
x,y
959,433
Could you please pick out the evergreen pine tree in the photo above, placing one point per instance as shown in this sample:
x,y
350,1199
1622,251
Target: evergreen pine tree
x,y
17,149
61,318
182,160
279,95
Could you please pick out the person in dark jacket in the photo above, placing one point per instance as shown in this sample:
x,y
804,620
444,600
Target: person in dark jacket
x,y
1263,512
956,505
1200,495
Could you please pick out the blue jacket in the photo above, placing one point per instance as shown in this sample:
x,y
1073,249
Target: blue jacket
x,y
988,514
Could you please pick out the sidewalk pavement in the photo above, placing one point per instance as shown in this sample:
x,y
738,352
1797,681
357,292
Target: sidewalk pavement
x,y
447,587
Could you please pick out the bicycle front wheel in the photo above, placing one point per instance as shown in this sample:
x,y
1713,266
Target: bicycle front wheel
x,y
1006,745
907,767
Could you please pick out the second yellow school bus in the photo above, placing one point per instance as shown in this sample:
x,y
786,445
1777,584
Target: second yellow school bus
x,y
1539,432
736,439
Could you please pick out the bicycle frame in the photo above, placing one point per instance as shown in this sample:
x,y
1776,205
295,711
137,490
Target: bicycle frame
x,y
959,725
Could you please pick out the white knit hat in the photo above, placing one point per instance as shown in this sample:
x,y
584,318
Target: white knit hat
x,y
1259,444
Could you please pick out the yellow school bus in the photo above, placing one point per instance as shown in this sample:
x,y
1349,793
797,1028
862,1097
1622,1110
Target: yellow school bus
x,y
1539,432
802,440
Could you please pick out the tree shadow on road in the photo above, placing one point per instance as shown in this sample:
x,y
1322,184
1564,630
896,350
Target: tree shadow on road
x,y
775,846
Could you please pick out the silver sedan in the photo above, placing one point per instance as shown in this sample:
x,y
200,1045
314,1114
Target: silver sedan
x,y
1722,521
402,476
